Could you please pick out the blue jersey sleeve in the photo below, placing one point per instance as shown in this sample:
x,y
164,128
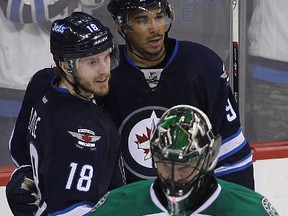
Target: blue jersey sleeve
x,y
235,157
39,83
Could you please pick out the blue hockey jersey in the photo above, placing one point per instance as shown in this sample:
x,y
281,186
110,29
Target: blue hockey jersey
x,y
74,149
193,75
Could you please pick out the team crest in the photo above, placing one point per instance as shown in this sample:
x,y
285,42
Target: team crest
x,y
86,138
269,208
135,134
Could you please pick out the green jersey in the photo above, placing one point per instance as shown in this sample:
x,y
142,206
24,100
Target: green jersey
x,y
139,198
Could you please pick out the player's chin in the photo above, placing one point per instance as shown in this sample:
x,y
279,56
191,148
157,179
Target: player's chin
x,y
102,91
154,51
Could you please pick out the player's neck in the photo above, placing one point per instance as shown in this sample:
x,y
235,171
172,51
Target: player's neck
x,y
70,86
146,62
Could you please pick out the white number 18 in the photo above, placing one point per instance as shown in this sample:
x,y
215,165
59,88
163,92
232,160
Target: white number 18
x,y
84,181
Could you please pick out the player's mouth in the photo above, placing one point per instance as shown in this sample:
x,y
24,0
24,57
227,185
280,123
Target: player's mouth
x,y
155,41
102,80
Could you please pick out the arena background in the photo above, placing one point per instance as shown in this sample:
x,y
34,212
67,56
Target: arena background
x,y
219,24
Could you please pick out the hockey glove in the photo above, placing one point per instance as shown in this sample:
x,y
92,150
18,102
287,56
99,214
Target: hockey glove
x,y
21,192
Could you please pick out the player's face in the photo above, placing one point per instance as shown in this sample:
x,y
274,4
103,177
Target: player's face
x,y
178,172
146,31
93,74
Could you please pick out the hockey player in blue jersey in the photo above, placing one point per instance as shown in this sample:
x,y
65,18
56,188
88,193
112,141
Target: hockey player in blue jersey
x,y
73,145
185,151
157,72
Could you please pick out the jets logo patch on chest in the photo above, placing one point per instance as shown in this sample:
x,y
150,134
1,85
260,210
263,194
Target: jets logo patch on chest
x,y
86,138
135,134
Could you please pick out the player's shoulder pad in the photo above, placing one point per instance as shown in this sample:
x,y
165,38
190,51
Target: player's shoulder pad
x,y
43,74
205,58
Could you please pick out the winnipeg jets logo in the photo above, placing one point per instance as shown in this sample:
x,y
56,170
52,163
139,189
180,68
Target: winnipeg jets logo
x,y
86,138
141,151
59,28
143,143
135,137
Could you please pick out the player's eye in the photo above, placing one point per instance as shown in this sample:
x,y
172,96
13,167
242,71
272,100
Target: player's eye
x,y
93,62
142,21
159,17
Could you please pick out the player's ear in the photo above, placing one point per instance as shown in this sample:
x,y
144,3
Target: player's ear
x,y
64,66
119,28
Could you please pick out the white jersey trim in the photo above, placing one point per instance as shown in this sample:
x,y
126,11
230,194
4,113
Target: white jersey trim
x,y
209,201
234,167
232,144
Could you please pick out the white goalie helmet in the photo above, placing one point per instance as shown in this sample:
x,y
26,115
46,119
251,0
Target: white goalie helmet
x,y
184,150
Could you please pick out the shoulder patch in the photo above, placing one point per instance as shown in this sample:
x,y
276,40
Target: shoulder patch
x,y
100,202
269,208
